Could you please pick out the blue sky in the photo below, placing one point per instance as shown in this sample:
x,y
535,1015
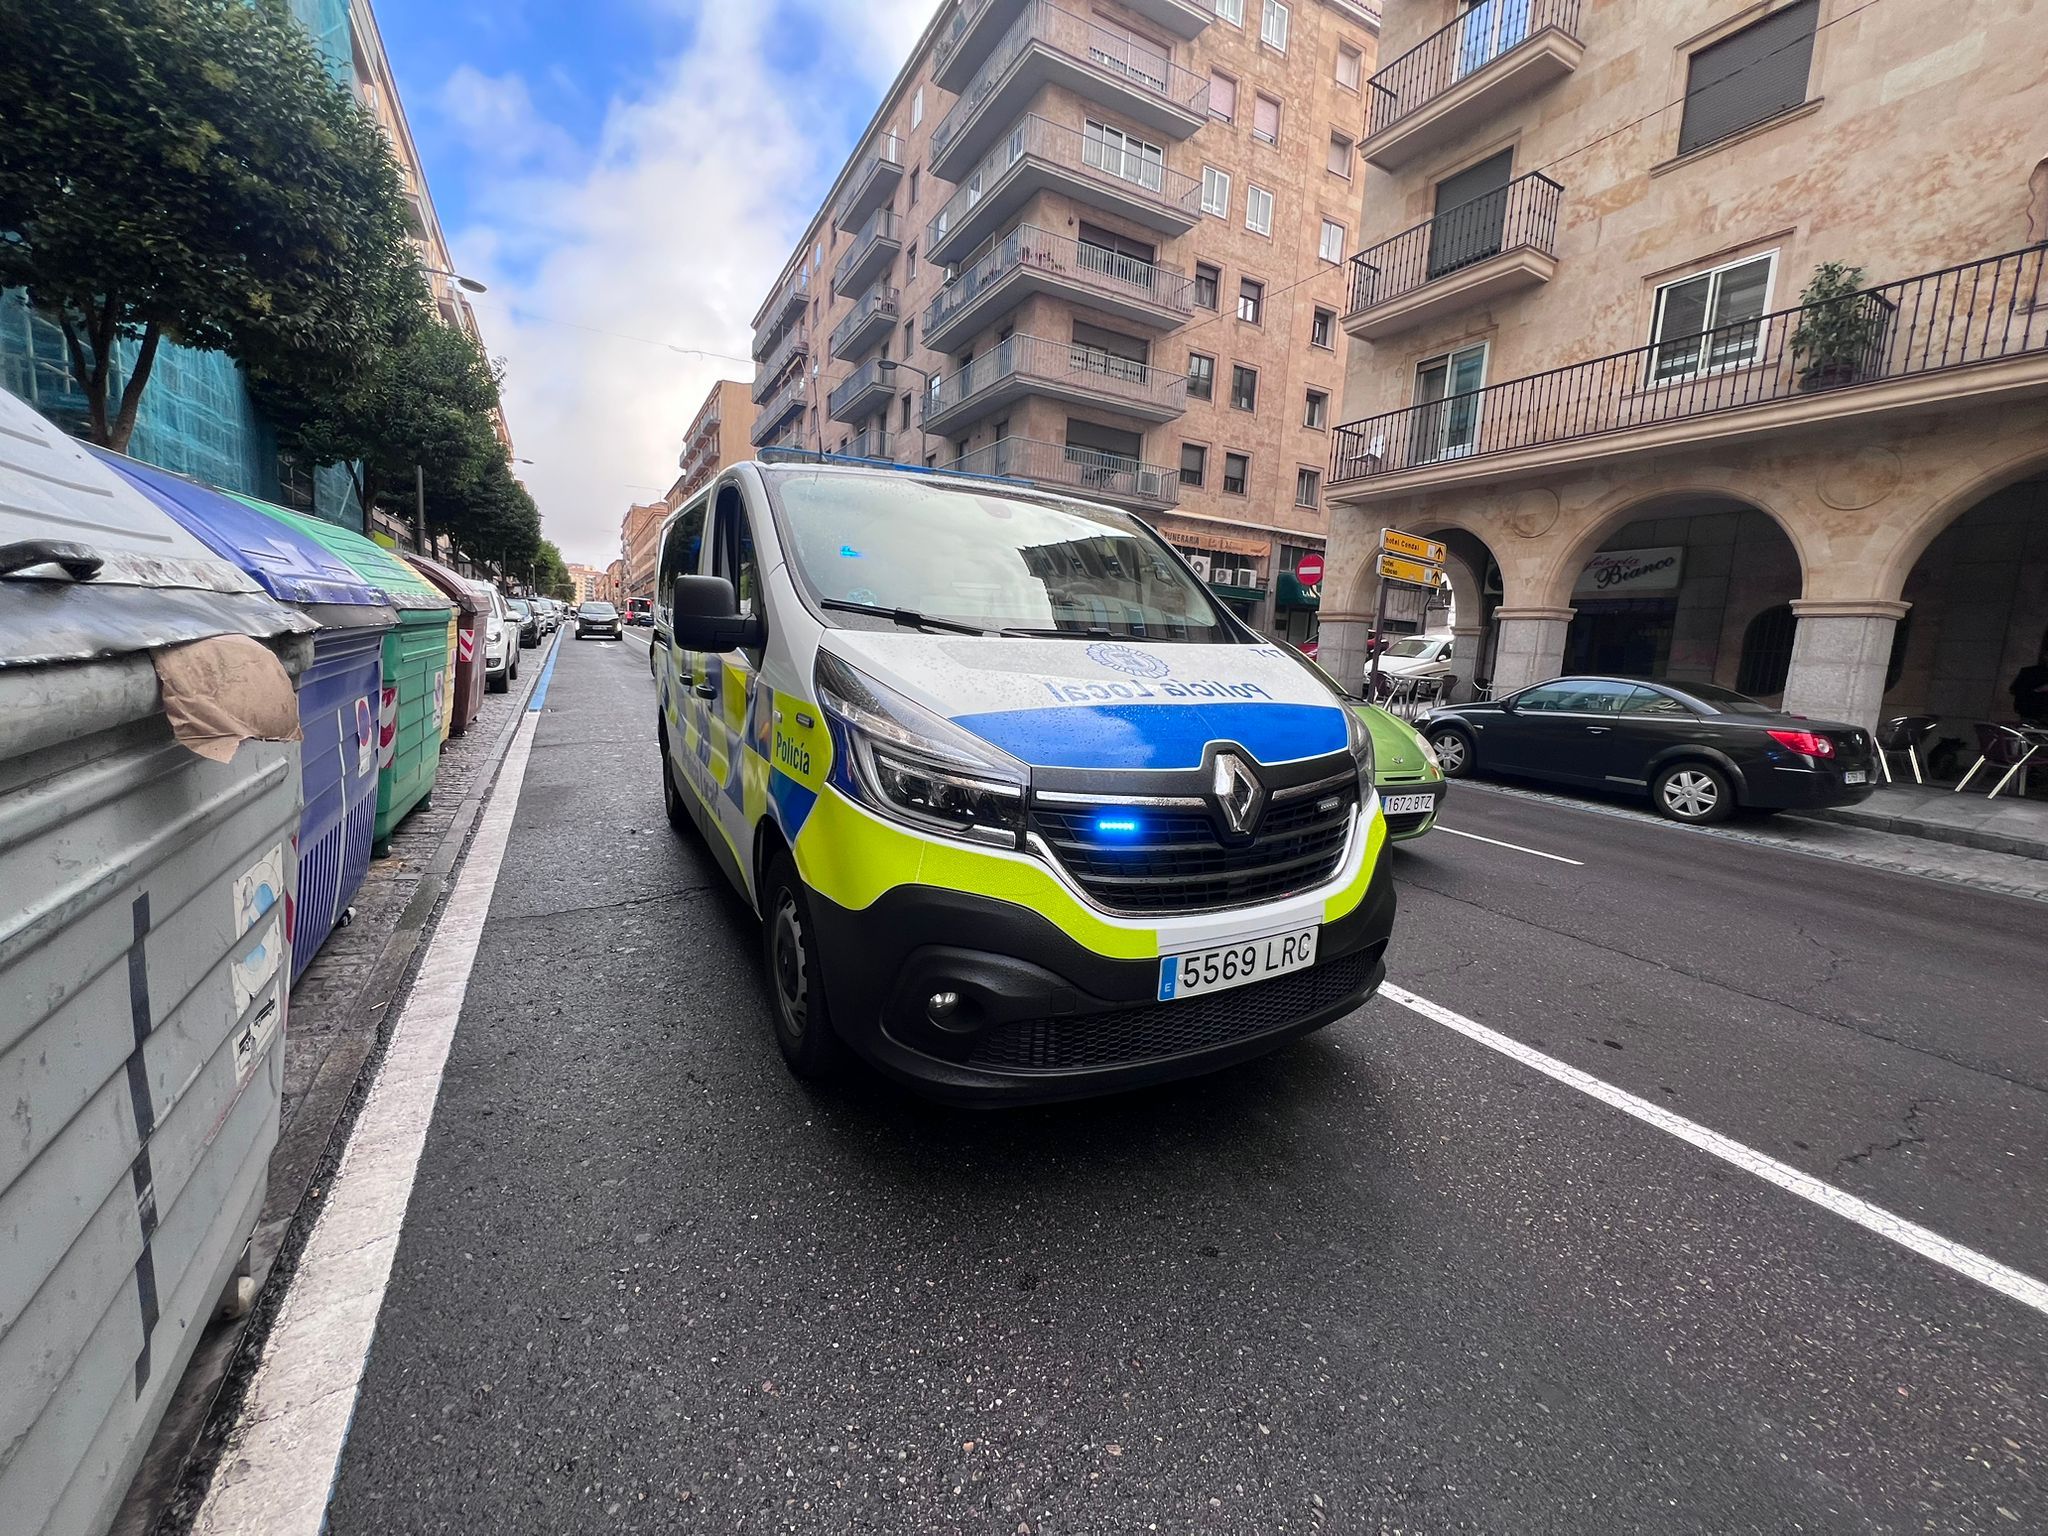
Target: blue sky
x,y
628,176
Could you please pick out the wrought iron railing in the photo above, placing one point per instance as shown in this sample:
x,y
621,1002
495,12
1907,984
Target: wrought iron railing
x,y
888,147
790,397
1027,247
1521,214
786,305
1109,163
964,17
1480,35
1107,476
870,443
879,300
869,375
880,225
1068,363
797,343
1116,56
1964,316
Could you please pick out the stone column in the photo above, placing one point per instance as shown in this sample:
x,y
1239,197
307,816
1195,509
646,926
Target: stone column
x,y
1839,655
1531,648
1340,648
1468,644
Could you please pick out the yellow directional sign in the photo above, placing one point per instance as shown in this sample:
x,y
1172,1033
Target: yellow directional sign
x,y
1394,568
1395,542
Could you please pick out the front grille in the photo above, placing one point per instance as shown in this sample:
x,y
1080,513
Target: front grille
x,y
1407,821
1182,863
1159,1031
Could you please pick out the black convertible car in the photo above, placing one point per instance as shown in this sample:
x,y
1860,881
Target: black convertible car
x,y
1698,751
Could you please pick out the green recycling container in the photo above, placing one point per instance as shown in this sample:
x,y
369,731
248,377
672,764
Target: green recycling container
x,y
418,670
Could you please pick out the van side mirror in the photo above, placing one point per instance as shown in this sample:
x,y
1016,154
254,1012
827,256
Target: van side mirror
x,y
705,616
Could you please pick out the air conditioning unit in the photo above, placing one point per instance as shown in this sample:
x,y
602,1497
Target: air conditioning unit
x,y
1201,565
1247,577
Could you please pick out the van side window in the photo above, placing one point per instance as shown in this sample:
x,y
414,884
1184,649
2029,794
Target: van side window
x,y
733,556
680,553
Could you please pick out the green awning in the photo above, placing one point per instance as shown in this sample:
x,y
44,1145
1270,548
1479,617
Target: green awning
x,y
1292,594
1237,594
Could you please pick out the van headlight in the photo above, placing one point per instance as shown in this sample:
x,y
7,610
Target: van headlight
x,y
1361,749
911,766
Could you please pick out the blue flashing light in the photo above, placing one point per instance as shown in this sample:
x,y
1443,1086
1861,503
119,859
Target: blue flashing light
x,y
1116,828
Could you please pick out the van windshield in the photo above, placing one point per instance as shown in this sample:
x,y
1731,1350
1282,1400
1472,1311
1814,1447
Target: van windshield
x,y
964,555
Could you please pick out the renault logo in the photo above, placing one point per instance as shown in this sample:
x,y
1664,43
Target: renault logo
x,y
1239,795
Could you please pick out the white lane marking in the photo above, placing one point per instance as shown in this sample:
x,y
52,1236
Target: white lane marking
x,y
278,1468
1558,857
1987,1271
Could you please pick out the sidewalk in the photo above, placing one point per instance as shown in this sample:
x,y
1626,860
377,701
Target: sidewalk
x,y
2008,824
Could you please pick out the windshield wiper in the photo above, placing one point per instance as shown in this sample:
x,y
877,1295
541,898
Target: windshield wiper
x,y
907,618
1092,632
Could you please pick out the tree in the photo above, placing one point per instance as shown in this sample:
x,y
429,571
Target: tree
x,y
186,170
551,576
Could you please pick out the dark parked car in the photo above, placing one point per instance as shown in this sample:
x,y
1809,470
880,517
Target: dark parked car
x,y
529,621
595,618
1698,751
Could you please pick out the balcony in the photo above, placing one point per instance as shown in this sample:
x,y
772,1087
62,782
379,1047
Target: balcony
x,y
1003,273
873,182
1097,476
1062,370
871,443
1498,243
1038,155
880,238
862,393
768,372
783,404
1934,342
786,304
1466,75
977,24
871,321
1048,46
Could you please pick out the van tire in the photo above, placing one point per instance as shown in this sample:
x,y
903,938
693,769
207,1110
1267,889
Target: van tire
x,y
671,793
796,993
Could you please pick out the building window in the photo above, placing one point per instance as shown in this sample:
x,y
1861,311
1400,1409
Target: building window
x,y
1231,11
1273,25
1258,210
1322,329
1194,464
1331,246
1251,300
1215,192
906,409
1201,376
1308,484
913,186
1244,387
1350,66
909,336
917,107
1754,75
1237,469
910,261
1446,423
1222,97
1711,320
1207,280
1317,412
1339,163
1130,159
1265,119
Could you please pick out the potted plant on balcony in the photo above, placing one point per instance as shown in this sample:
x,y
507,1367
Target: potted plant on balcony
x,y
1839,327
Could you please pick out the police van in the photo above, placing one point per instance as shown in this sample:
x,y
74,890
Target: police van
x,y
1024,812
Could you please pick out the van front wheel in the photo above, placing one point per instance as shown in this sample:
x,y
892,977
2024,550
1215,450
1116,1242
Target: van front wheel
x,y
796,994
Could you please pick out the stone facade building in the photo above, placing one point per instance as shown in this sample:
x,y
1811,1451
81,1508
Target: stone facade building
x,y
1098,248
1596,350
717,436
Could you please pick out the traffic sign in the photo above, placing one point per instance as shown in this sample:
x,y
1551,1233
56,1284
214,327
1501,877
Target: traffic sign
x,y
1310,572
1414,572
1395,542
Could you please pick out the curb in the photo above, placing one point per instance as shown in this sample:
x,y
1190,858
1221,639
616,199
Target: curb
x,y
1958,837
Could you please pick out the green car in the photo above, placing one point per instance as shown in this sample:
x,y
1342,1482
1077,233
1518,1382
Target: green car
x,y
1405,772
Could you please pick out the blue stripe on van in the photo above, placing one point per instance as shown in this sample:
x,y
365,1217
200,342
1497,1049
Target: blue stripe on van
x,y
1159,735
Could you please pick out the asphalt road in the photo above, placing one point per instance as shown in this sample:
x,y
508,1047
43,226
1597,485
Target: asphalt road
x,y
1389,1279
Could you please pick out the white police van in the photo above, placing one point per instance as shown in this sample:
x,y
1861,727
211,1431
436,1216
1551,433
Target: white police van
x,y
1025,813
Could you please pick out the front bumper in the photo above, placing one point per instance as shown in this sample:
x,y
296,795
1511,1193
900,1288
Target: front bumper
x,y
1402,825
610,631
1042,1017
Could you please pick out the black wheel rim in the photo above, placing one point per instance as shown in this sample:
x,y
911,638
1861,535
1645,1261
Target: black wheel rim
x,y
786,965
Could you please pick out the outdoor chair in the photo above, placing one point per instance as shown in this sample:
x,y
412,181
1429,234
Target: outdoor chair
x,y
1903,734
2007,747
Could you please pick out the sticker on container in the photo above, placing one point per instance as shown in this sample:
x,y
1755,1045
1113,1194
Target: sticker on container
x,y
366,738
258,889
258,963
387,727
258,1032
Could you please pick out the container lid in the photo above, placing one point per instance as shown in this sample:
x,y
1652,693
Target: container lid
x,y
451,583
402,586
91,567
286,563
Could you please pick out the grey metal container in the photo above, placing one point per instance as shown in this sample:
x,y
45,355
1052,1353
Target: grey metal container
x,y
144,902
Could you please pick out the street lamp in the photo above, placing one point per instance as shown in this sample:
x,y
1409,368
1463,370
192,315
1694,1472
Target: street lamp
x,y
460,281
889,366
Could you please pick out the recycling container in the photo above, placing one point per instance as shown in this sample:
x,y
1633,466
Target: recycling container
x,y
145,901
339,693
472,620
416,665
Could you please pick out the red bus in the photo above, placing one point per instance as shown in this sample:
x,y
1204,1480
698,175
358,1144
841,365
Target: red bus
x,y
639,610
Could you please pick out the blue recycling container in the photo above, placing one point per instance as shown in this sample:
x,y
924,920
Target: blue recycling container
x,y
338,693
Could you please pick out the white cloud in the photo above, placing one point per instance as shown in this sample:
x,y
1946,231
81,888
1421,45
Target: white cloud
x,y
669,229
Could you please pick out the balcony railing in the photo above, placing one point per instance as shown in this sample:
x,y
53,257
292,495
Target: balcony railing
x,y
1029,248
871,443
879,303
1066,365
797,343
882,225
786,305
1106,162
1102,476
868,378
1961,317
1522,213
781,404
886,158
1126,61
1478,37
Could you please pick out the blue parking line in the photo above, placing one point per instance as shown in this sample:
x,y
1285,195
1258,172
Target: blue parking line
x,y
540,689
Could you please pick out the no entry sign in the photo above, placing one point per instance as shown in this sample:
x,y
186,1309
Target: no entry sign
x,y
1310,572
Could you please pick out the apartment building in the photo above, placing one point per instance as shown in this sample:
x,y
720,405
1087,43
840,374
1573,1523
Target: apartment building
x,y
639,531
1097,247
1712,337
717,437
587,579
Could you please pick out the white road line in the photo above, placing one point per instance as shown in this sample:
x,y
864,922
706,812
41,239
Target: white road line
x,y
278,1468
1556,857
2021,1287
